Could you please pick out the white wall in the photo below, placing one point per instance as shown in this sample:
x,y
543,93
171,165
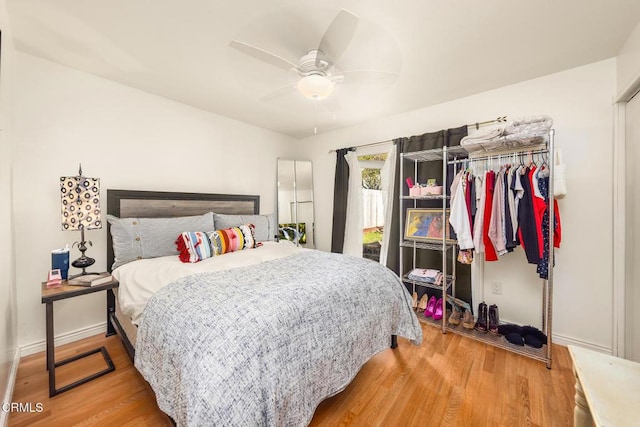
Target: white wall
x,y
8,305
629,62
580,101
130,140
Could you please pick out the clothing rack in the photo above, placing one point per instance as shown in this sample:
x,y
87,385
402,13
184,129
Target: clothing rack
x,y
457,156
476,125
547,288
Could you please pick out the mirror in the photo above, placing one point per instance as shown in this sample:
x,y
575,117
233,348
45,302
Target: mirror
x,y
295,202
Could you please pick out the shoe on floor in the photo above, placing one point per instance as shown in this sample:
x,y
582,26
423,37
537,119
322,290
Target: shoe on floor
x,y
515,338
455,316
467,320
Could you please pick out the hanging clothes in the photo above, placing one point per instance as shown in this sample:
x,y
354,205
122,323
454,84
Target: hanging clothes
x,y
496,234
468,195
459,214
513,207
489,250
510,243
526,219
478,224
494,212
539,207
543,266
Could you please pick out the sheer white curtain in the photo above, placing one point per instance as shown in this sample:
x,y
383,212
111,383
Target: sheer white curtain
x,y
387,182
353,225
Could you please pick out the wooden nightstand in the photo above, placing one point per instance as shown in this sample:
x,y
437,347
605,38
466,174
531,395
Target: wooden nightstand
x,y
64,292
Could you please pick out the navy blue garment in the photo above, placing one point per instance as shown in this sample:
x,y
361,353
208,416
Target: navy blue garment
x,y
511,244
543,266
527,221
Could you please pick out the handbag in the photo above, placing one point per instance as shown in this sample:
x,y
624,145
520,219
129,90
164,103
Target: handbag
x,y
559,177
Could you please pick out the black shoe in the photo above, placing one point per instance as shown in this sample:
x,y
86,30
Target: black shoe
x,y
533,336
509,328
481,323
494,319
515,338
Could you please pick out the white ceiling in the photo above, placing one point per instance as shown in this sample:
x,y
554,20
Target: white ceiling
x,y
443,50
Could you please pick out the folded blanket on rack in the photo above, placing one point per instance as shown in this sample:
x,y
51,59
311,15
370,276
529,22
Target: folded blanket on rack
x,y
527,126
487,135
482,141
518,133
531,119
426,275
424,272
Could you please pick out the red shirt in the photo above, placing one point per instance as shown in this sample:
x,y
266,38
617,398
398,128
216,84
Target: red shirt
x,y
489,251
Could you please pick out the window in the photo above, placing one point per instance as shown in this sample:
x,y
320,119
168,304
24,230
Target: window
x,y
373,207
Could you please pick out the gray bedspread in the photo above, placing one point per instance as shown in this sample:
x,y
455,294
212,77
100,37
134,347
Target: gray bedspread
x,y
265,344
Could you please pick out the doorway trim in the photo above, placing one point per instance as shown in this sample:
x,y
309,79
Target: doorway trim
x,y
619,225
619,216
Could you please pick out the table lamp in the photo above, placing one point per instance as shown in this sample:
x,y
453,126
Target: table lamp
x,y
80,198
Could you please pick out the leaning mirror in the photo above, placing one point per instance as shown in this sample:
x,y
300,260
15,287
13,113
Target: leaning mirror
x,y
295,202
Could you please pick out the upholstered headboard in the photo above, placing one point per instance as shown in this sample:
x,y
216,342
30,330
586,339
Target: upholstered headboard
x,y
161,204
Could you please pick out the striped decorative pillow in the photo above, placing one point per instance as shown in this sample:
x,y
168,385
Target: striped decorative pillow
x,y
232,239
193,246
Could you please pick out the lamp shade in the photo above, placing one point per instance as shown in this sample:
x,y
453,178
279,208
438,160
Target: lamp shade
x,y
80,197
315,86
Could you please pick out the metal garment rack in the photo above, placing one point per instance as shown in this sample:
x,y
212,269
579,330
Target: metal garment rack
x,y
454,156
444,155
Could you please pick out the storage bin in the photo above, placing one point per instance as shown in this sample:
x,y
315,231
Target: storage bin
x,y
433,190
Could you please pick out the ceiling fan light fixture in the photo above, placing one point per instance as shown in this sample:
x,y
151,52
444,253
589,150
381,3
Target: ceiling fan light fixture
x,y
315,86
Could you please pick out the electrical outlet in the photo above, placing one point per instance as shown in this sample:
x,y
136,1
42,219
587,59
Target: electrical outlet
x,y
496,288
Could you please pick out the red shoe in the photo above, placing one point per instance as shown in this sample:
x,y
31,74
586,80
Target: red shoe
x,y
431,307
437,314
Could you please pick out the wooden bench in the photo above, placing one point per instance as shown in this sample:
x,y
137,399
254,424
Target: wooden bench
x,y
607,389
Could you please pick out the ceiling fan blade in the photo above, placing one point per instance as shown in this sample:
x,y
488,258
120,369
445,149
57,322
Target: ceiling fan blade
x,y
338,36
262,55
279,93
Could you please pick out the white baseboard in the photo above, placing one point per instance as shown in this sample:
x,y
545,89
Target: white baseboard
x,y
8,394
563,340
65,338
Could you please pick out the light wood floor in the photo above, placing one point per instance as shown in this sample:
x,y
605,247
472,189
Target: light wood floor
x,y
448,380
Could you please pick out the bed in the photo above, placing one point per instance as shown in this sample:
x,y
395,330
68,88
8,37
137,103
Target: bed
x,y
254,337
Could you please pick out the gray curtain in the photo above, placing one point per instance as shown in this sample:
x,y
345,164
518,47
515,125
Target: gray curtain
x,y
426,170
340,193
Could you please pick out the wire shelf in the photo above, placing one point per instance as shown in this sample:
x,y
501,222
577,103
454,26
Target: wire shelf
x,y
435,154
450,280
487,338
435,197
509,143
501,342
425,245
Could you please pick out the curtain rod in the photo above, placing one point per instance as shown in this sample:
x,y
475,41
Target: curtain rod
x,y
367,145
475,125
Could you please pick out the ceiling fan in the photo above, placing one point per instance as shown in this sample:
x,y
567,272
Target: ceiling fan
x,y
316,74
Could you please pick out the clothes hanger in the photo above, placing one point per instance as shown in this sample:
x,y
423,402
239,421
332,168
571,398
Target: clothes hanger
x,y
545,158
544,167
